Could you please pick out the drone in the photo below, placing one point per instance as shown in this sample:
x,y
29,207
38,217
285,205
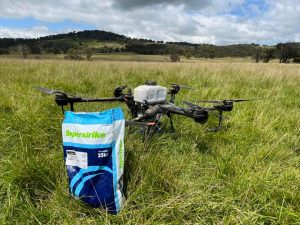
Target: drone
x,y
149,103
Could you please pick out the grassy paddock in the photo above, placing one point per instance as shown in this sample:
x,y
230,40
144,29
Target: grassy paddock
x,y
130,57
247,174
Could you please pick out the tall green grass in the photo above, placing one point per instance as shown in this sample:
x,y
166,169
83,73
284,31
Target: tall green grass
x,y
246,174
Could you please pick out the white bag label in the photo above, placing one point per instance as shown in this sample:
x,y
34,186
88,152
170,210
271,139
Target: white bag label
x,y
79,159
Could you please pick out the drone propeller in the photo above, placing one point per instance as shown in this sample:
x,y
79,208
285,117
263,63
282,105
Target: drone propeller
x,y
49,91
228,100
59,94
123,87
119,90
191,105
181,86
62,99
150,82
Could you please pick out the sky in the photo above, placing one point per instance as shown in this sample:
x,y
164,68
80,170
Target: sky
x,y
217,22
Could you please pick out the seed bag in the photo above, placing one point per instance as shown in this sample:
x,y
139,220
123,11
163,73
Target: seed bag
x,y
93,145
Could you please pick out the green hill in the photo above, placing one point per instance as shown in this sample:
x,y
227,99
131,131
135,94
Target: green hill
x,y
107,42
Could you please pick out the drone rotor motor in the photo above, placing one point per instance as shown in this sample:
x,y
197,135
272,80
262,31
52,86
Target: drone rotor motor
x,y
200,116
226,107
119,91
61,99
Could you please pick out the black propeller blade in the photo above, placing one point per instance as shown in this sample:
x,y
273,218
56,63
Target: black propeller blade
x,y
182,86
228,100
56,92
49,91
244,100
119,90
122,87
191,105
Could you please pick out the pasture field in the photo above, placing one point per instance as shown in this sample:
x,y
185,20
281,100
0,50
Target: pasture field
x,y
248,173
131,57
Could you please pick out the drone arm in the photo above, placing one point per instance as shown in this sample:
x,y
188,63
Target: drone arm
x,y
200,115
112,99
63,100
175,110
137,123
178,112
150,113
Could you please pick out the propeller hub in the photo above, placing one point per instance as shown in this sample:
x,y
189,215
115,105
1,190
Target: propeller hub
x,y
61,99
226,107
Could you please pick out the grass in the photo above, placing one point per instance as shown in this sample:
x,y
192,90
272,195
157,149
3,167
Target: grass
x,y
246,174
126,57
132,57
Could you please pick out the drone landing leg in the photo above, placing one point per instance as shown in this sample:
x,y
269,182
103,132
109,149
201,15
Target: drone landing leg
x,y
171,123
143,131
146,132
220,122
72,106
173,131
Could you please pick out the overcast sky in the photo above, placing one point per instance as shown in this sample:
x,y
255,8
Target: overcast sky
x,y
197,21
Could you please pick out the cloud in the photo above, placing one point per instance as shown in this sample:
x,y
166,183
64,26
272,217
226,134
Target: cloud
x,y
198,21
33,32
132,4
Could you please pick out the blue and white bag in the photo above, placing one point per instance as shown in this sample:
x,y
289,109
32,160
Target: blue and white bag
x,y
93,146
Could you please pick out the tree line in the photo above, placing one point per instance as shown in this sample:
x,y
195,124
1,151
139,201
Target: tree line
x,y
77,43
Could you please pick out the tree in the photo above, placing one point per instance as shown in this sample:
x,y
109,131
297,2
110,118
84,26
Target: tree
x,y
4,51
188,54
174,57
257,54
296,60
287,51
35,48
25,50
268,54
74,54
88,54
211,55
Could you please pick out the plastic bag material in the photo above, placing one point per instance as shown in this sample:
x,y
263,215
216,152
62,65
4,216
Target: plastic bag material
x,y
93,145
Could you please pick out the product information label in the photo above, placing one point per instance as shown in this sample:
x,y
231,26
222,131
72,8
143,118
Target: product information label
x,y
79,159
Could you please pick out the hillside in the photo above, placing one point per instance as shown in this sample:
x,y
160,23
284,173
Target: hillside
x,y
99,42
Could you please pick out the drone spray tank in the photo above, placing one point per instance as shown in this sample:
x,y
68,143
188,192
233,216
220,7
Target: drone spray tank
x,y
150,94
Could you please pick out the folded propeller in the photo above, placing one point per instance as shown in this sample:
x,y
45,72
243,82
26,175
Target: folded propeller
x,y
226,101
174,85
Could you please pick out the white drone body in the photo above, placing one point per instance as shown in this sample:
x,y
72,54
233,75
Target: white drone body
x,y
152,94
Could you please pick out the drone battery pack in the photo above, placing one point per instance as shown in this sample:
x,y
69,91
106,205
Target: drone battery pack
x,y
93,145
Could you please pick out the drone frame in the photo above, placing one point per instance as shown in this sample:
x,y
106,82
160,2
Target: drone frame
x,y
149,115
